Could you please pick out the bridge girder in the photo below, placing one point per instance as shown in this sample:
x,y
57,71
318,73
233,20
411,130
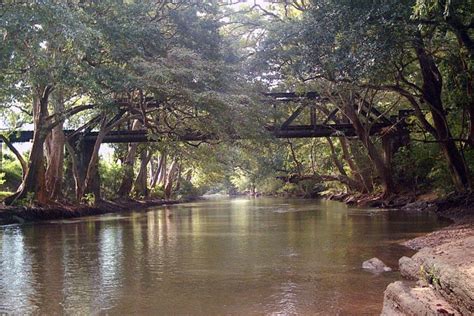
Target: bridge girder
x,y
285,130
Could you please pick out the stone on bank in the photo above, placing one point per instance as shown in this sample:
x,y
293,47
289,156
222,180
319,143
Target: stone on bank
x,y
375,265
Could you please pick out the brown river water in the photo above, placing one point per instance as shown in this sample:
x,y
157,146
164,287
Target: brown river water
x,y
220,257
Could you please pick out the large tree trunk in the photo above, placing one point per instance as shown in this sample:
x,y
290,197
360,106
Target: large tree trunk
x,y
86,160
388,150
34,180
163,169
470,138
91,180
470,96
462,33
178,179
352,184
360,173
158,170
170,179
75,169
335,159
55,155
153,166
383,171
141,185
432,89
128,164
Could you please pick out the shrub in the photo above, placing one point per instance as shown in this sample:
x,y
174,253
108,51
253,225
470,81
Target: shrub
x,y
12,174
188,190
110,178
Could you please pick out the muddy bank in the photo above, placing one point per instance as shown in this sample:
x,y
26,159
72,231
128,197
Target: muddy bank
x,y
22,214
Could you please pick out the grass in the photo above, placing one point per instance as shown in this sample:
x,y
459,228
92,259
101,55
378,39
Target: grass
x,y
4,194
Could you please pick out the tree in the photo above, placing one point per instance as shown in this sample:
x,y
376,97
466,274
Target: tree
x,y
324,44
454,17
83,55
42,55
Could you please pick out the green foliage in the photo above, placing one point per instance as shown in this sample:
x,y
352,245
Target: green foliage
x,y
289,189
187,190
4,194
110,175
321,49
242,182
431,274
206,67
270,185
413,166
89,199
157,192
311,188
12,173
27,201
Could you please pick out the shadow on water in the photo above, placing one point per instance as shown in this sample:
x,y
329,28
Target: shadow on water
x,y
240,256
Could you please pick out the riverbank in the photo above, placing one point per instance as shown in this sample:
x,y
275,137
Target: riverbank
x,y
458,208
22,214
406,200
439,278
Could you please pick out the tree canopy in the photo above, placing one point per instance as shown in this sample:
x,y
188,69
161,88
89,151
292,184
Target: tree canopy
x,y
174,68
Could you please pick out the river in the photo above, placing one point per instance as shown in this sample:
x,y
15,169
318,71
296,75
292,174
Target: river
x,y
231,256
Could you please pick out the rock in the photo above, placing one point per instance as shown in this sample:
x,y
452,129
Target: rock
x,y
351,200
401,299
409,268
450,268
420,206
445,284
401,200
415,206
375,265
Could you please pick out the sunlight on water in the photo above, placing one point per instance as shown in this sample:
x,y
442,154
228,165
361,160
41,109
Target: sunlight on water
x,y
239,201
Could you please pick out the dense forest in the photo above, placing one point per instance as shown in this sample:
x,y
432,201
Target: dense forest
x,y
202,68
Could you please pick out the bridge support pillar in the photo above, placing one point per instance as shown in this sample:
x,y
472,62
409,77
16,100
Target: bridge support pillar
x,y
388,145
392,142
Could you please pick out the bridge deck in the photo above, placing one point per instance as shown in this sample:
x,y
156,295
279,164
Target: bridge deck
x,y
296,131
285,130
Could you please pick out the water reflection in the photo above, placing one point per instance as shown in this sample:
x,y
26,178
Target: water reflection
x,y
265,256
16,273
110,265
285,300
